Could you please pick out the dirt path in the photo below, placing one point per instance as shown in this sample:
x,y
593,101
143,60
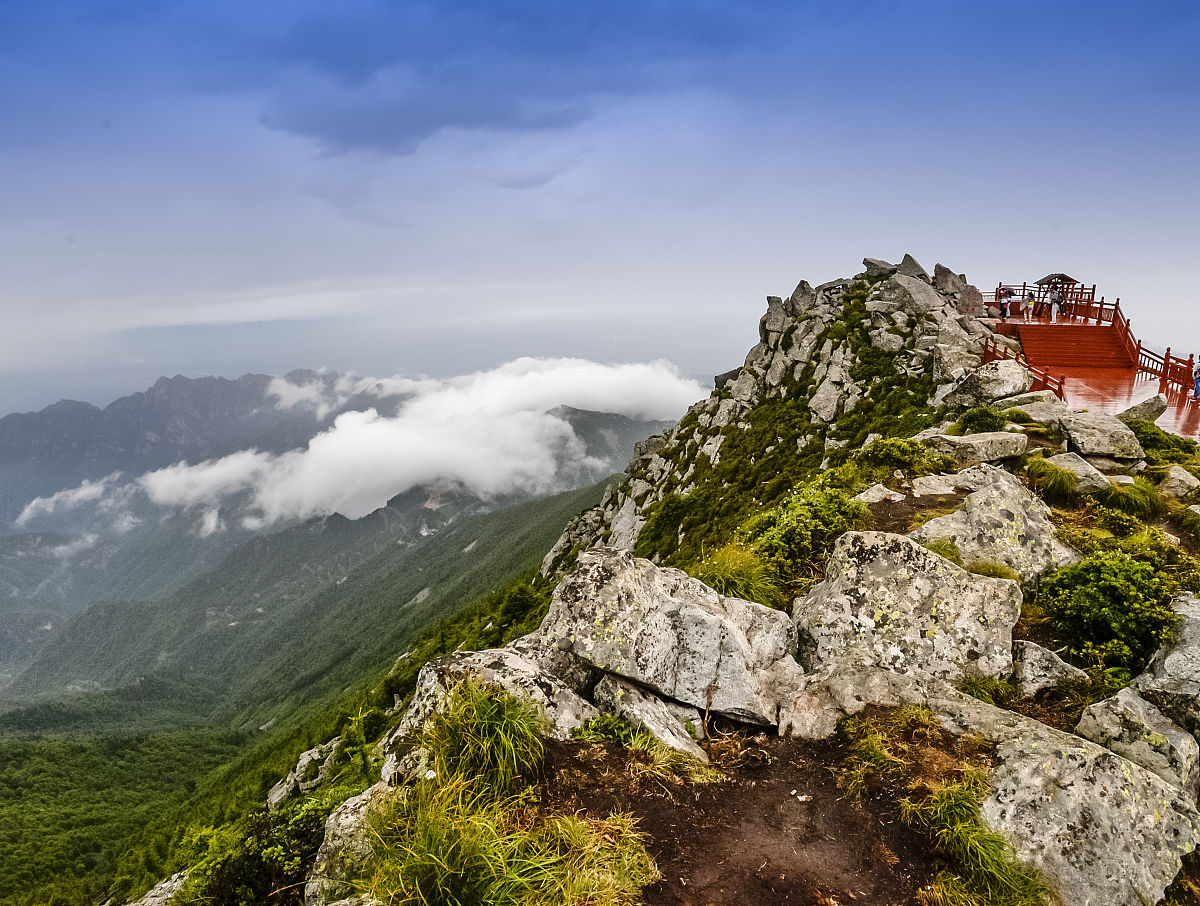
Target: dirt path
x,y
778,832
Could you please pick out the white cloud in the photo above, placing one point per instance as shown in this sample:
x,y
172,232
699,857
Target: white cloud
x,y
87,492
491,430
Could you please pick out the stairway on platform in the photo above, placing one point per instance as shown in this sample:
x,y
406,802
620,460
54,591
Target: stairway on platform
x,y
1074,346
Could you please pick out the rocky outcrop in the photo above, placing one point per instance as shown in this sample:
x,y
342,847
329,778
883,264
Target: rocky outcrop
x,y
345,849
163,893
1035,668
674,635
617,696
1003,523
1135,729
989,446
987,383
1147,410
1088,479
1172,680
888,603
1179,483
1097,434
1103,830
312,769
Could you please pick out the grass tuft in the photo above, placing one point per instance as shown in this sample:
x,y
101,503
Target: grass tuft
x,y
993,570
486,737
738,572
1139,499
945,548
1052,482
870,757
992,690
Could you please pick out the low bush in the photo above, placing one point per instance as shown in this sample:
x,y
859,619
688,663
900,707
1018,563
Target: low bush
x,y
794,539
1119,523
1189,521
1052,482
1109,609
739,572
885,456
979,421
1161,447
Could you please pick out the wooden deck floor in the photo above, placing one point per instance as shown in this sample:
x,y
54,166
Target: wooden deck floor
x,y
1114,389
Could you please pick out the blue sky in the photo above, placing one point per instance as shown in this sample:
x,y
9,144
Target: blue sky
x,y
420,187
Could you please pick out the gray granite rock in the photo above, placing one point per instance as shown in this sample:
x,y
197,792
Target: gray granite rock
x,y
877,493
1002,522
1089,479
889,603
345,849
1135,729
1036,668
614,695
990,446
987,383
1103,830
674,635
1098,434
1171,682
1147,410
1179,483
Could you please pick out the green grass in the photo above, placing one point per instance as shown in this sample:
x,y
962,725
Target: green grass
x,y
870,757
738,571
650,755
979,420
983,860
1139,499
993,570
944,548
992,690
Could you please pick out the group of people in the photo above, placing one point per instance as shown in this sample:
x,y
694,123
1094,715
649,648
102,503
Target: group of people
x,y
1011,305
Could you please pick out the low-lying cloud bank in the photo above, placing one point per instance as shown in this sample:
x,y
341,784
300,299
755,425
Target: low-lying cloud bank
x,y
492,431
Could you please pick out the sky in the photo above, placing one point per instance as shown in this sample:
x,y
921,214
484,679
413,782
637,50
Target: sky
x,y
438,188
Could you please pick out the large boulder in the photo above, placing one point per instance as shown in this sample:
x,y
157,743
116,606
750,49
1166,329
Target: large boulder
x,y
907,294
1002,523
1089,479
674,635
989,446
1103,830
993,381
946,281
1098,434
889,603
1135,729
617,696
345,849
1036,668
910,267
877,267
1172,680
1147,410
1179,483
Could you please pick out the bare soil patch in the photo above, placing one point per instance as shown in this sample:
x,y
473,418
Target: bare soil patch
x,y
778,831
897,516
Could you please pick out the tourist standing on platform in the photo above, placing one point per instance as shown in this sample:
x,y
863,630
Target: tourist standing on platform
x,y
1196,380
1027,308
1056,298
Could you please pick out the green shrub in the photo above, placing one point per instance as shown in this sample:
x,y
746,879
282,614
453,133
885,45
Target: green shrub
x,y
794,539
1109,609
605,727
979,421
1052,482
888,455
1189,520
1119,523
738,572
982,859
491,739
1019,416
1139,499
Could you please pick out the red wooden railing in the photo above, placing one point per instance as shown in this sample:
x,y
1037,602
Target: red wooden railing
x,y
1079,302
1042,379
